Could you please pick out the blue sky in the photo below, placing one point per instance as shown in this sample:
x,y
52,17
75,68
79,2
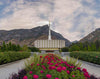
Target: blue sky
x,y
74,19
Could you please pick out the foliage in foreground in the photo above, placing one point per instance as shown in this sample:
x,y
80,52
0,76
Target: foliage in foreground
x,y
51,66
6,57
93,57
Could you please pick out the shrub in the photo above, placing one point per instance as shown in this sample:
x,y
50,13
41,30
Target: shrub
x,y
6,57
34,49
93,57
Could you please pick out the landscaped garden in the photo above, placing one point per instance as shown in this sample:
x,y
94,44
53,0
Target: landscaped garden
x,y
90,56
7,57
52,66
11,52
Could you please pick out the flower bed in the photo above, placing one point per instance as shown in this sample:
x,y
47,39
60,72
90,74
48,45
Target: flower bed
x,y
93,57
6,57
51,66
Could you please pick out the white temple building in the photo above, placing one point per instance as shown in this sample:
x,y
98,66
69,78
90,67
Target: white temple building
x,y
49,45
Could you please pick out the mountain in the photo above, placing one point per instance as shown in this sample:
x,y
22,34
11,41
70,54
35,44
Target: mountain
x,y
28,36
92,37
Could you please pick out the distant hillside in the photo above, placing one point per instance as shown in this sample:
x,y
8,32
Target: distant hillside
x,y
28,36
92,37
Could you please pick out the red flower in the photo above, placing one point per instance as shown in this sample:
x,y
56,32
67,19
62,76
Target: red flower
x,y
56,78
53,67
68,72
35,76
63,68
56,65
30,72
48,76
32,64
40,56
50,67
86,74
59,69
25,77
46,56
71,66
68,65
84,70
78,68
51,64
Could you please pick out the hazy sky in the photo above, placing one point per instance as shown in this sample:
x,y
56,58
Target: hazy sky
x,y
74,19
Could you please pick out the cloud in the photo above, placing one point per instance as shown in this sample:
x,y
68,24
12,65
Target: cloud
x,y
1,3
71,18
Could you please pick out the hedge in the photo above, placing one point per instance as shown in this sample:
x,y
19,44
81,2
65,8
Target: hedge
x,y
6,57
93,57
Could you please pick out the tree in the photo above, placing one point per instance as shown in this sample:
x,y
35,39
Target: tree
x,y
25,48
74,48
4,46
9,46
18,47
89,48
65,49
93,47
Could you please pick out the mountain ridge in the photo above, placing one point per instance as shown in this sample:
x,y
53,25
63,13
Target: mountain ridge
x,y
92,37
28,36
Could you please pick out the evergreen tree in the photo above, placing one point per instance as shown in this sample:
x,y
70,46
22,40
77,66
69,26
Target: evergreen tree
x,y
10,46
4,46
89,48
18,47
93,47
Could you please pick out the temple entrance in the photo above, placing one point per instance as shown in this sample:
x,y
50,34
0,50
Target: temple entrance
x,y
48,51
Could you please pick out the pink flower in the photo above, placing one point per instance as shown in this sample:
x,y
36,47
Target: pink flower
x,y
35,76
96,56
51,64
84,70
50,67
68,72
59,69
86,74
38,64
41,71
71,66
68,65
48,63
43,67
48,76
56,78
25,77
56,65
73,75
30,72
63,68
78,68
53,67
32,64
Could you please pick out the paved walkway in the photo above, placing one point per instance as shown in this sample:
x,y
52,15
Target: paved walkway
x,y
7,69
91,68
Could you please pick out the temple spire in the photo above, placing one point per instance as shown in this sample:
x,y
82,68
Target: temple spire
x,y
49,36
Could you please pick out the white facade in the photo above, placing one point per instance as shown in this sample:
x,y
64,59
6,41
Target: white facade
x,y
49,43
